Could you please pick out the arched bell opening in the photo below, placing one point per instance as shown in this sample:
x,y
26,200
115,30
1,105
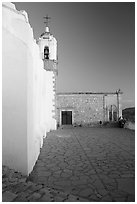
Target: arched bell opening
x,y
46,52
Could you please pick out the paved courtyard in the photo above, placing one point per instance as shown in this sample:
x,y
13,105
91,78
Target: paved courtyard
x,y
96,164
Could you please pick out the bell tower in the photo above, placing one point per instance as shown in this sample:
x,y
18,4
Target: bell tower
x,y
48,53
48,48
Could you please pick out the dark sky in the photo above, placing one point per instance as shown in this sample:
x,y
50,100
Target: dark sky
x,y
96,50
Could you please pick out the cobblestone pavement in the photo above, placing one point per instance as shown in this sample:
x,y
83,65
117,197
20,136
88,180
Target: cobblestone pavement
x,y
16,188
78,165
93,163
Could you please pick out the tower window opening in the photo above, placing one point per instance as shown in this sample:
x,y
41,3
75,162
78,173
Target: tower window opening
x,y
46,52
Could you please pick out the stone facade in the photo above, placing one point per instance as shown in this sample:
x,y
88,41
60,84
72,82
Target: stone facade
x,y
88,108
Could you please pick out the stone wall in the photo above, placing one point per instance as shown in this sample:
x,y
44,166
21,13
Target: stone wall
x,y
87,108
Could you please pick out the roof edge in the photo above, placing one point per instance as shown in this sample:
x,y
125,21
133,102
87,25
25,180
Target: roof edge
x,y
80,93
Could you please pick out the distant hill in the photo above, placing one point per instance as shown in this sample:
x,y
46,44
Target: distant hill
x,y
129,114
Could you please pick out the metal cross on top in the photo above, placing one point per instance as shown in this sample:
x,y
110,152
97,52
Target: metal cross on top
x,y
47,18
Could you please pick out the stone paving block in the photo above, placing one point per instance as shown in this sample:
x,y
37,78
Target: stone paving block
x,y
68,189
22,180
114,175
40,163
45,173
72,198
21,199
44,191
54,169
97,183
62,183
120,199
93,197
33,197
8,196
99,195
79,182
84,177
106,179
3,186
131,198
56,176
20,187
65,175
74,178
93,177
83,200
23,195
128,175
118,193
58,199
67,171
102,191
90,172
86,192
12,180
35,187
111,187
127,185
5,180
106,198
46,198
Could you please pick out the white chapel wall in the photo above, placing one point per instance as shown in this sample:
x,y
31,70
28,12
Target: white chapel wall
x,y
49,76
50,101
24,114
52,47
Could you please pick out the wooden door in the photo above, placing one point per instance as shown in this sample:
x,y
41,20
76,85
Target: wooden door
x,y
66,117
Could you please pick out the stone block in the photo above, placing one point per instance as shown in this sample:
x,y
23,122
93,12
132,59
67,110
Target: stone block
x,y
72,198
86,192
46,198
127,185
34,196
106,198
8,196
58,199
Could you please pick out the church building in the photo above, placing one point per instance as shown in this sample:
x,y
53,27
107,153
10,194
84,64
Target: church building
x,y
31,106
88,109
80,108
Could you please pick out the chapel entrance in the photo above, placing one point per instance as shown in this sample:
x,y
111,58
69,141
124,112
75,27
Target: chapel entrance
x,y
66,117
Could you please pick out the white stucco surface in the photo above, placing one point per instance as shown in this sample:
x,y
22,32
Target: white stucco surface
x,y
47,39
24,97
51,42
50,101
